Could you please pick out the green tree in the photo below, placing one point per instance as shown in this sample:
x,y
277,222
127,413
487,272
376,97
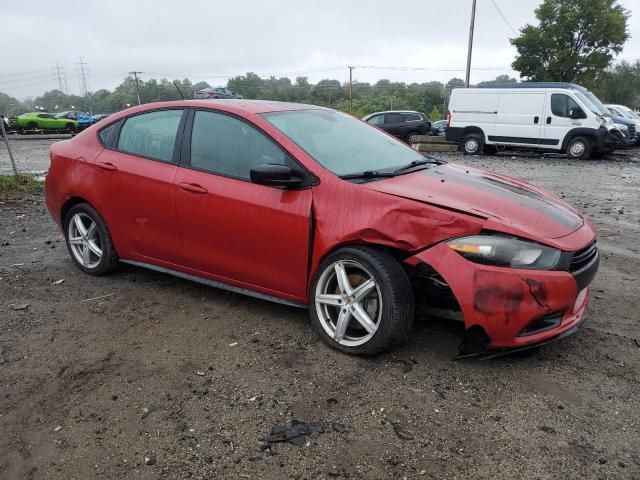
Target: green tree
x,y
575,40
435,114
621,84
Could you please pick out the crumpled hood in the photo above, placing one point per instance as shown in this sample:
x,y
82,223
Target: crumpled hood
x,y
499,198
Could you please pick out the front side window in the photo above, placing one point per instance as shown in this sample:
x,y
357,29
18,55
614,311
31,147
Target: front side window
x,y
227,146
412,117
561,105
151,135
341,143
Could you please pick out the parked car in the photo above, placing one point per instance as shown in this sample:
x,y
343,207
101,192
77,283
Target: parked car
x,y
215,92
438,128
560,117
620,111
311,207
45,121
83,118
402,124
100,116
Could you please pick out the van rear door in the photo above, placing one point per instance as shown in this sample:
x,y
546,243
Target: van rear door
x,y
519,120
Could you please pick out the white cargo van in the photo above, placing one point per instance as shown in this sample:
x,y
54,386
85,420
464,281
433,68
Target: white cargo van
x,y
561,117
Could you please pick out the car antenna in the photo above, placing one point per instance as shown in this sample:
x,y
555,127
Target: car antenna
x,y
178,88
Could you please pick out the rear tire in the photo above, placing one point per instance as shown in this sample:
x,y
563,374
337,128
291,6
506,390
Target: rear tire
x,y
361,301
411,136
579,148
472,144
69,127
88,240
32,126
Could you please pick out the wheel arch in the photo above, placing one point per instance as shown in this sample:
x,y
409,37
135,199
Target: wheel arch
x,y
579,132
473,129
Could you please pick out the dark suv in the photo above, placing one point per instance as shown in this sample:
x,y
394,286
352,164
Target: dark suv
x,y
215,92
402,124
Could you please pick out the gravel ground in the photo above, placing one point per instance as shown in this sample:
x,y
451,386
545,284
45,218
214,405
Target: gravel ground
x,y
142,375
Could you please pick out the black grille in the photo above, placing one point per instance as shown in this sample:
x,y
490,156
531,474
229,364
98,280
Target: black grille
x,y
583,257
541,324
584,265
632,131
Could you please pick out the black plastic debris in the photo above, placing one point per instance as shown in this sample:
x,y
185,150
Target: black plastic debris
x,y
338,427
294,433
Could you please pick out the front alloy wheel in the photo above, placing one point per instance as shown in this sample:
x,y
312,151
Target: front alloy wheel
x,y
362,301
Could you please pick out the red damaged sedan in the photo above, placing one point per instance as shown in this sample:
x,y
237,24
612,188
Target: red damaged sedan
x,y
310,207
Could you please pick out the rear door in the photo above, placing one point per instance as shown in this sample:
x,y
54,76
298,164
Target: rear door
x,y
134,179
395,124
519,118
557,121
239,232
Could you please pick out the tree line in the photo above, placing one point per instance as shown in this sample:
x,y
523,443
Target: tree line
x,y
574,41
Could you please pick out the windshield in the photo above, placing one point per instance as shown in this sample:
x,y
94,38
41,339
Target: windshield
x,y
341,143
630,113
595,105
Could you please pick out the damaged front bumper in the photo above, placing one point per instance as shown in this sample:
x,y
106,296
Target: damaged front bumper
x,y
513,308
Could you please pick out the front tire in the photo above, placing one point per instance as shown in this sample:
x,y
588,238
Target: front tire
x,y
579,148
411,137
88,240
361,301
472,144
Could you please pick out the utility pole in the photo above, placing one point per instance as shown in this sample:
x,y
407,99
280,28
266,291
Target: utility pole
x,y
471,27
350,88
3,132
62,81
83,76
135,75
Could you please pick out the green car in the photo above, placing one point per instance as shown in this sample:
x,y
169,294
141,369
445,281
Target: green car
x,y
45,121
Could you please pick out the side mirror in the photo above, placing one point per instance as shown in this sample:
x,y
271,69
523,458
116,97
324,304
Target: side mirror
x,y
274,175
576,113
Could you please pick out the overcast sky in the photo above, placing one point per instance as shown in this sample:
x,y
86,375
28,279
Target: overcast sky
x,y
214,40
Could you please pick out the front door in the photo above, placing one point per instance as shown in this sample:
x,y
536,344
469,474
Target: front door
x,y
558,119
137,177
253,236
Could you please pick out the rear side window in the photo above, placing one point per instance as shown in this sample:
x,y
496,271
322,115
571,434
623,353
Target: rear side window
x,y
227,146
561,105
109,135
412,117
151,135
393,118
377,120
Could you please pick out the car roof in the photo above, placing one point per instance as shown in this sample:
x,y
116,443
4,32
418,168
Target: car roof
x,y
228,105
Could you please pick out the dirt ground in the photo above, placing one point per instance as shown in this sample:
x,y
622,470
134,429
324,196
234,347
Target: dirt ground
x,y
142,375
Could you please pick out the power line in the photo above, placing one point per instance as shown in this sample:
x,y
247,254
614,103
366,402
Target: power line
x,y
503,17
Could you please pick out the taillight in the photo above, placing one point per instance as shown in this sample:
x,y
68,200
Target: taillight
x,y
448,118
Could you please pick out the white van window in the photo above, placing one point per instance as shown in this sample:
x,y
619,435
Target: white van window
x,y
561,105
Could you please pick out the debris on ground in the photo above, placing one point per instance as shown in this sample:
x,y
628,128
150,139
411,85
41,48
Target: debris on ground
x,y
149,460
149,410
21,306
294,433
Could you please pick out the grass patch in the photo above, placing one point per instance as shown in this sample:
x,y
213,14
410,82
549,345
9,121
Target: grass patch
x,y
19,184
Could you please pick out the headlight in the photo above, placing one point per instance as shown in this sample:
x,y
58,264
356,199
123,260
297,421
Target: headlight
x,y
502,251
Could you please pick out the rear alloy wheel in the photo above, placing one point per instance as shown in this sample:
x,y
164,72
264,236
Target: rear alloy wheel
x,y
579,148
472,144
88,240
411,137
362,301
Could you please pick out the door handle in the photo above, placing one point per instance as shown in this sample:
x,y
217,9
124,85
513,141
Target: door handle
x,y
548,120
107,166
536,119
193,188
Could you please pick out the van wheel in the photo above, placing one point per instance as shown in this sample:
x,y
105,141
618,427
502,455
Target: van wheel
x,y
472,144
579,148
361,301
